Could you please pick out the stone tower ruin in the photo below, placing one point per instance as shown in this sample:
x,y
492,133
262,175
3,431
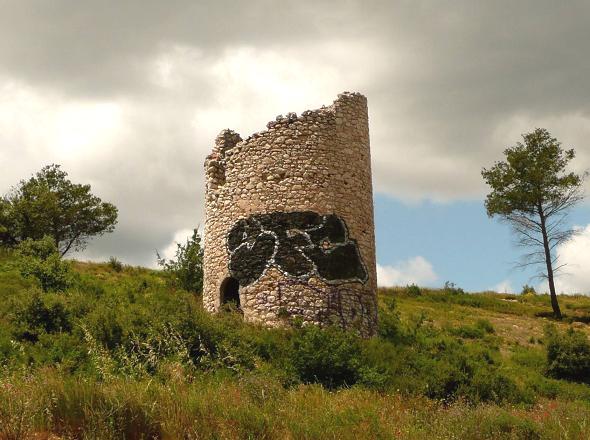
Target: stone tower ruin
x,y
289,230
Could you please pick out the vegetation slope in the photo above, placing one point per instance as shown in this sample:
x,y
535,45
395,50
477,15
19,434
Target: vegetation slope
x,y
122,353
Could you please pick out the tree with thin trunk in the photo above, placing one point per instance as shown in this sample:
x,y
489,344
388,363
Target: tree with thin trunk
x,y
50,204
534,191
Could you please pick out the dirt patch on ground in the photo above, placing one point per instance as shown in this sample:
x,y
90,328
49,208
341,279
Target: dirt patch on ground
x,y
511,328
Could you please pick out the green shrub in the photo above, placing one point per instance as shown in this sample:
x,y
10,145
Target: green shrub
x,y
489,385
528,290
42,313
568,354
485,325
452,289
413,290
41,260
186,270
115,264
476,331
331,357
468,332
504,425
389,322
443,366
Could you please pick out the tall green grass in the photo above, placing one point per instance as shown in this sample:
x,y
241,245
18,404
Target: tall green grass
x,y
180,406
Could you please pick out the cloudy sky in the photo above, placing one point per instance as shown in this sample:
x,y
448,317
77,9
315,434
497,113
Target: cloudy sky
x,y
129,95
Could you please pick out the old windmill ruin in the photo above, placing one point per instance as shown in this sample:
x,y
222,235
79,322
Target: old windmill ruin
x,y
289,229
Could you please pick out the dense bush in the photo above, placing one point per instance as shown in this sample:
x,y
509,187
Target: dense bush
x,y
115,264
43,313
389,325
485,325
331,357
413,290
568,354
452,289
186,270
528,290
41,260
421,359
475,331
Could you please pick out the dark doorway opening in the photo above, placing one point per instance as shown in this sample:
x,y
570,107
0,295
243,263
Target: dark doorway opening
x,y
230,292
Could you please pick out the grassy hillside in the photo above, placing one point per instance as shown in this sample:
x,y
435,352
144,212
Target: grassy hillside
x,y
123,354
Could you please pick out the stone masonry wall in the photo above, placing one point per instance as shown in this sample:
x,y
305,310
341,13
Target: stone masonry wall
x,y
289,216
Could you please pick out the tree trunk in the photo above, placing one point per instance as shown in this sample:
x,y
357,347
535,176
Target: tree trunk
x,y
548,261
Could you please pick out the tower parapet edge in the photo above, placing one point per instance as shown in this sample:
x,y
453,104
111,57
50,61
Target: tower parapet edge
x,y
289,229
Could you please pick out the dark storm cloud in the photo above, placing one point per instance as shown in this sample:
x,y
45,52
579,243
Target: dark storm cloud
x,y
464,69
450,84
101,47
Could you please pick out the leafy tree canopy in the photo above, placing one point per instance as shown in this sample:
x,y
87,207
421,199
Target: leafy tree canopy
x,y
50,204
533,177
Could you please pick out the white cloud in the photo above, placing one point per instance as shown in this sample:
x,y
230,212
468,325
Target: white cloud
x,y
503,287
415,270
180,237
38,127
576,254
